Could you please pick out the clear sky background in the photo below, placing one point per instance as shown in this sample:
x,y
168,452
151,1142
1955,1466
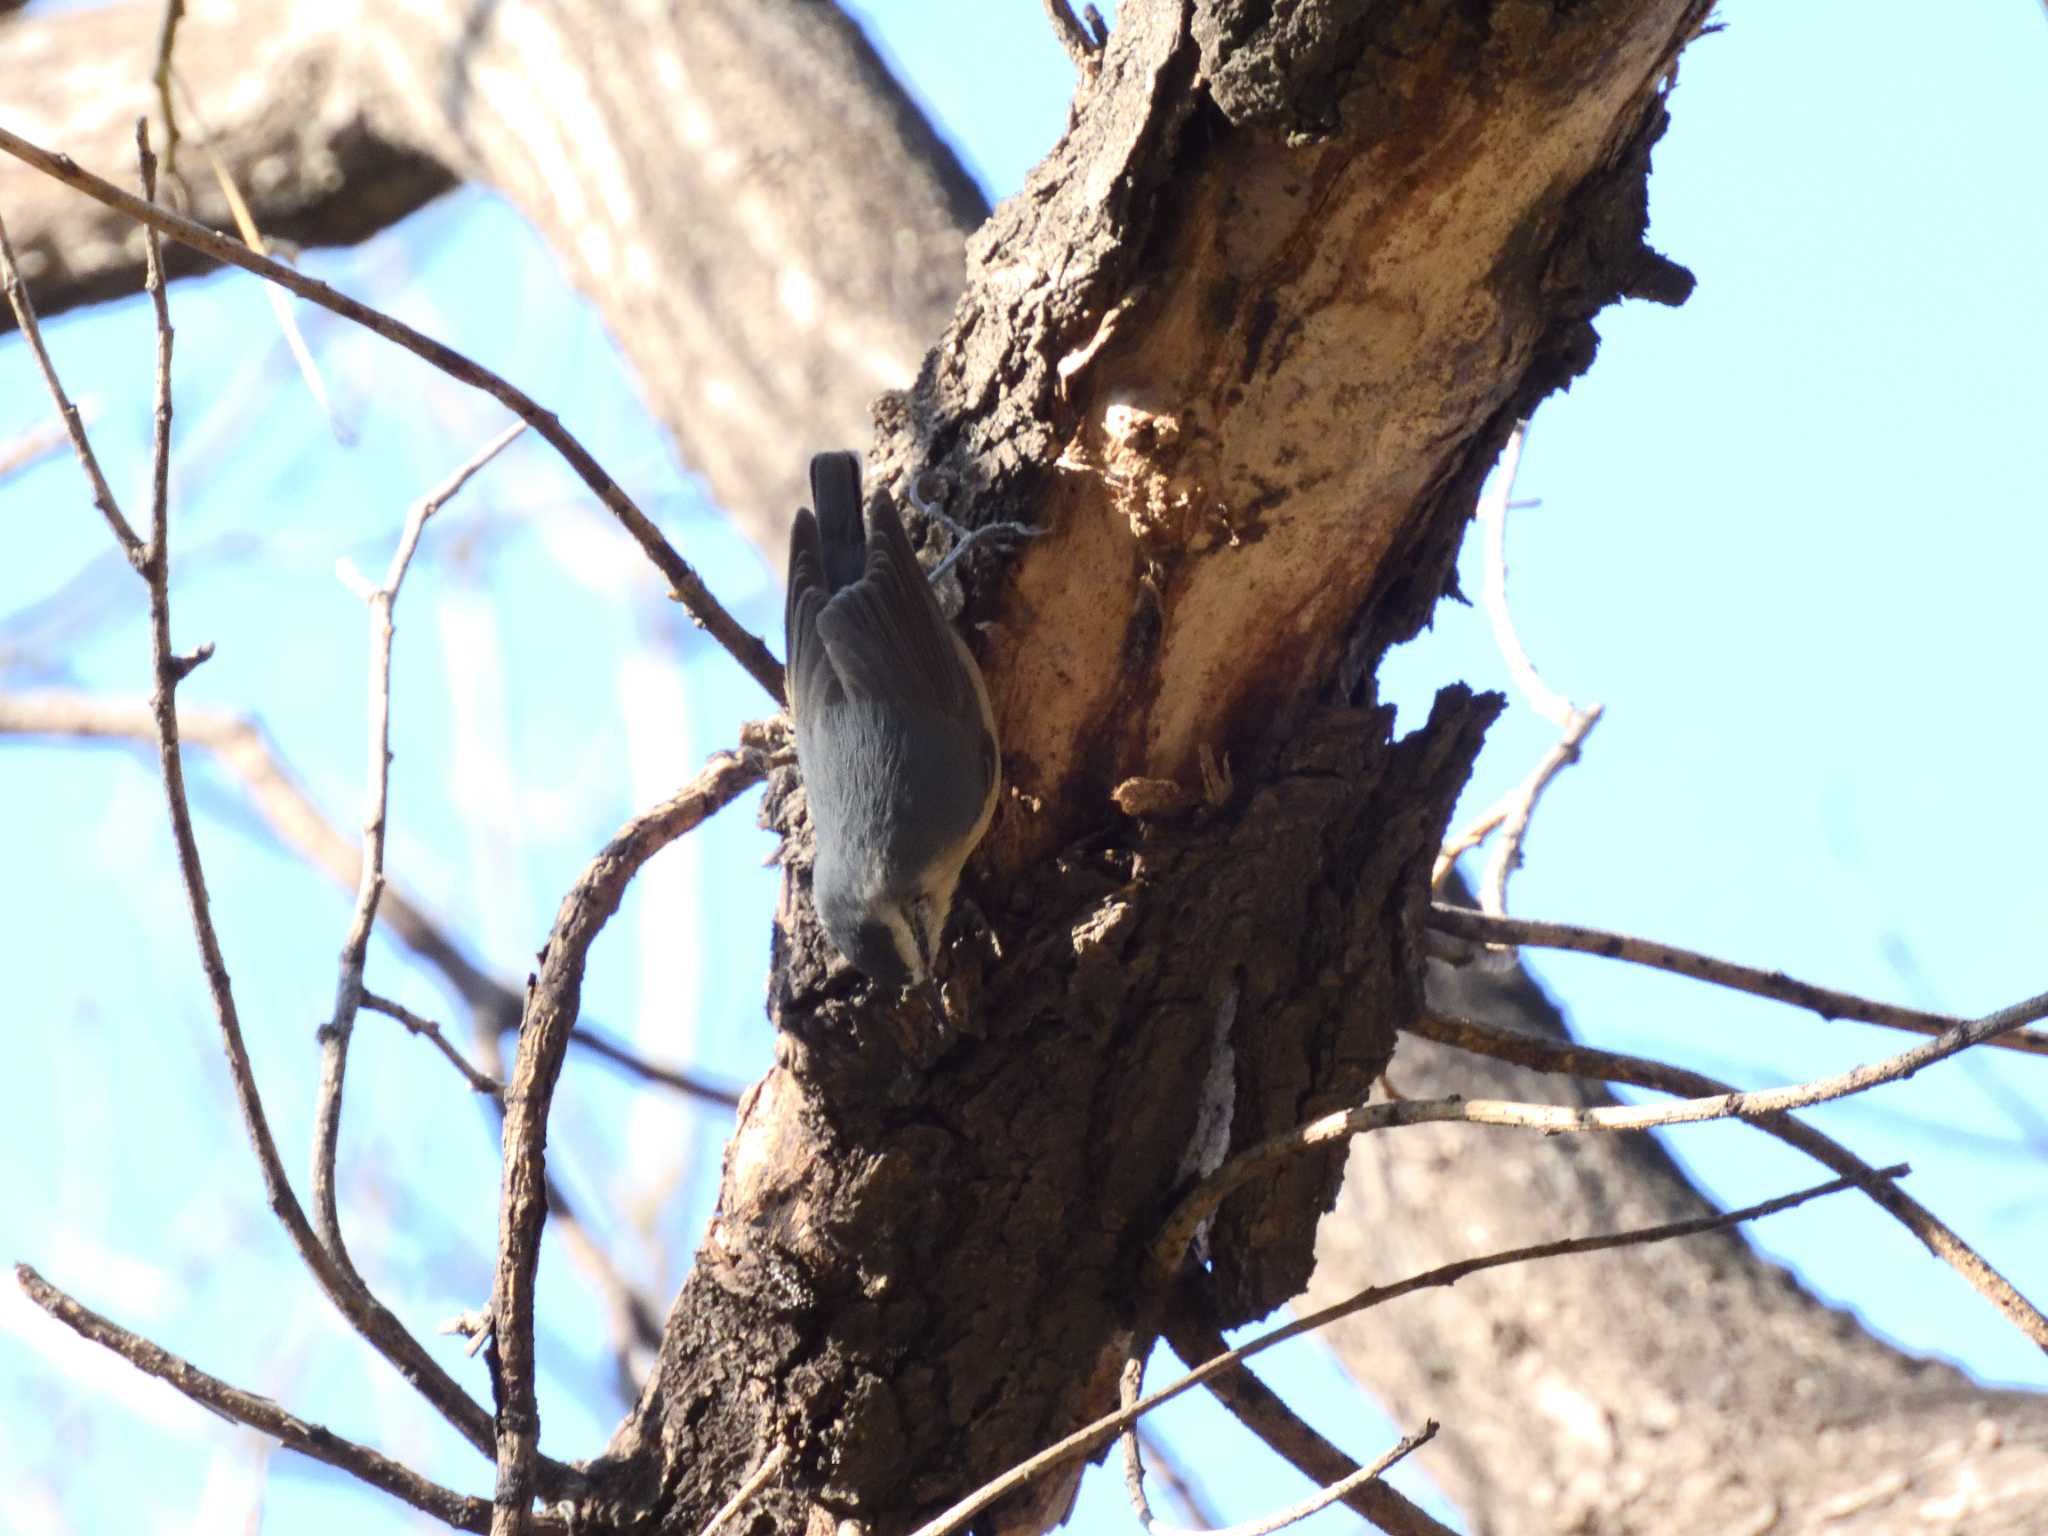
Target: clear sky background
x,y
1791,535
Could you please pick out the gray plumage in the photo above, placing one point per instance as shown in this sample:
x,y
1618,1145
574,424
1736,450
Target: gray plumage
x,y
894,734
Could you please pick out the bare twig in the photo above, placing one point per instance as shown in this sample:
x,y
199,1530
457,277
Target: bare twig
x,y
260,1413
770,1465
1175,1479
348,989
245,751
602,1046
1486,928
1552,1119
551,1007
1511,814
365,1313
685,586
1266,1414
74,427
1539,1054
482,1082
1132,1388
160,77
1092,1437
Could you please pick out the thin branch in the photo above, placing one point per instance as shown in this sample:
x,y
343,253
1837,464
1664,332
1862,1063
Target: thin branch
x,y
1512,813
770,1465
348,988
1485,928
551,1007
1539,1054
685,586
602,1046
260,1413
1551,1119
160,77
482,1082
635,1325
1132,1385
365,1313
1266,1414
1091,1437
74,427
1180,1486
299,824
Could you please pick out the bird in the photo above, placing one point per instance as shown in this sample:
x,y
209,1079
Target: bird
x,y
895,737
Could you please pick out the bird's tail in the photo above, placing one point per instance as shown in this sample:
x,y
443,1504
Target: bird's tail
x,y
835,488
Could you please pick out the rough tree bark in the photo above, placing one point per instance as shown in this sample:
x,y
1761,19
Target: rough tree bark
x,y
1245,345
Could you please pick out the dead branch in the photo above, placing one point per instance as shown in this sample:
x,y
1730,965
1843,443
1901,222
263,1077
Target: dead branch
x,y
365,1313
1551,1119
1488,928
551,1007
1131,1388
289,811
348,990
1266,1414
1511,814
1543,1055
74,426
260,1413
685,586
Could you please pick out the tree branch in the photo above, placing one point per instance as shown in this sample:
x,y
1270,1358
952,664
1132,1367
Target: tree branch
x,y
1266,1414
348,988
301,826
260,1413
1488,928
1211,1192
685,586
1092,1437
1541,1055
74,426
551,1007
1132,1387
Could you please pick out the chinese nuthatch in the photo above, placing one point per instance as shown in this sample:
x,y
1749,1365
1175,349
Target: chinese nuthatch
x,y
894,733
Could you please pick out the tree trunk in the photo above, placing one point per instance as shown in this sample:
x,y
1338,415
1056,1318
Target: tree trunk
x,y
1245,347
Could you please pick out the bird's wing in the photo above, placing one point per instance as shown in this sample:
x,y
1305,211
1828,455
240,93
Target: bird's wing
x,y
886,636
812,683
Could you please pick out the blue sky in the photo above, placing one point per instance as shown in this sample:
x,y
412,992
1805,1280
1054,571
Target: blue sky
x,y
1791,536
